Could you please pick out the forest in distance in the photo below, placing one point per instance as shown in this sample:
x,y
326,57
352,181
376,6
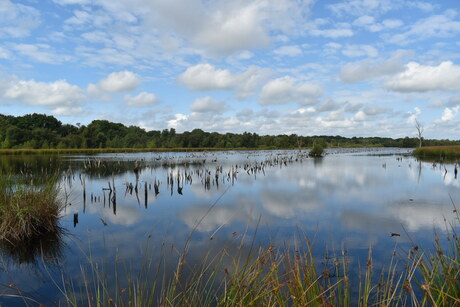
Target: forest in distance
x,y
40,131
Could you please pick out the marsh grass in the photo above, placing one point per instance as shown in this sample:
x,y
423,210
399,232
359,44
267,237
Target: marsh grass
x,y
443,152
277,276
272,276
27,211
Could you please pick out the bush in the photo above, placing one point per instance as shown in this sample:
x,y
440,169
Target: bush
x,y
316,151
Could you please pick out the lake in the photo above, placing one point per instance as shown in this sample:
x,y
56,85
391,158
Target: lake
x,y
351,200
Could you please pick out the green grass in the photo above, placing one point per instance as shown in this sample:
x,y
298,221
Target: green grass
x,y
443,152
27,211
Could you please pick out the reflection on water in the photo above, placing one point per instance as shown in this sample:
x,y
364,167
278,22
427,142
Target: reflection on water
x,y
351,197
49,247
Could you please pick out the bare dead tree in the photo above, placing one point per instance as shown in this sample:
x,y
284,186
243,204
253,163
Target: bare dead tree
x,y
419,128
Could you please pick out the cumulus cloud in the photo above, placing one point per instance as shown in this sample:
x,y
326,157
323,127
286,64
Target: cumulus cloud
x,y
449,113
369,113
17,20
56,93
286,89
367,69
207,105
116,82
204,77
143,99
421,78
223,27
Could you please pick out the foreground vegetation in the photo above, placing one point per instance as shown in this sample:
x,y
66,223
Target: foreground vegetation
x,y
268,276
37,131
280,276
27,211
443,152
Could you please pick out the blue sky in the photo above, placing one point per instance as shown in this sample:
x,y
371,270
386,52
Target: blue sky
x,y
351,68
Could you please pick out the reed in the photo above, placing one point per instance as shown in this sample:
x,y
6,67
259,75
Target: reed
x,y
442,152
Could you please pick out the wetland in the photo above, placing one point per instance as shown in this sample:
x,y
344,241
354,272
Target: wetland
x,y
145,215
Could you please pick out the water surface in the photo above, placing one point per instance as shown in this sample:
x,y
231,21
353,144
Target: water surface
x,y
352,199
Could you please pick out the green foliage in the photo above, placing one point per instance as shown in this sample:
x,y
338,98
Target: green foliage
x,y
316,151
39,131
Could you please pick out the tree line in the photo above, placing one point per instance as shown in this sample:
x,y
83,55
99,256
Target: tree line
x,y
40,131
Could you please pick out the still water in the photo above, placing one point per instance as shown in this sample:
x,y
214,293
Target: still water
x,y
129,207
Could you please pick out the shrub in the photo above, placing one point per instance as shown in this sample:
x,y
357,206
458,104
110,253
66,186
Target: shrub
x,y
316,151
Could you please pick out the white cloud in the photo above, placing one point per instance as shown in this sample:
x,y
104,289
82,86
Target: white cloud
x,y
375,110
71,2
412,116
286,89
207,105
421,5
17,20
223,27
79,18
360,50
67,111
362,7
437,26
4,54
177,121
204,77
421,78
392,23
332,33
449,113
116,82
364,20
369,23
288,51
41,53
58,93
143,99
367,69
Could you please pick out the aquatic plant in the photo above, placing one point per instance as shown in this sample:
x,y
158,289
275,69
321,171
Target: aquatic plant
x,y
26,210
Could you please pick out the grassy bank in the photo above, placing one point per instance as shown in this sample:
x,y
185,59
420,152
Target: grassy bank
x,y
443,152
27,211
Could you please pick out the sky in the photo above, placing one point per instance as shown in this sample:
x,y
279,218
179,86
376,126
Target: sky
x,y
324,67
